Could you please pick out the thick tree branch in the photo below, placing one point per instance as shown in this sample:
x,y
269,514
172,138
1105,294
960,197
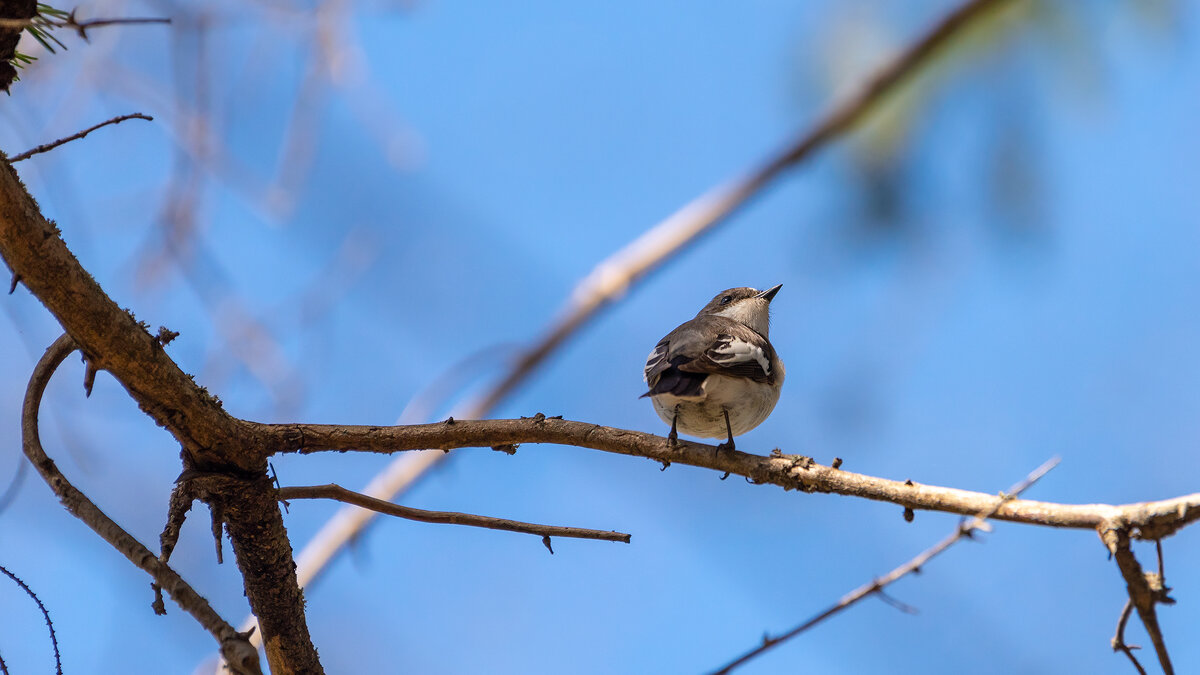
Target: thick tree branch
x,y
234,646
19,10
966,529
341,494
113,340
1146,520
212,441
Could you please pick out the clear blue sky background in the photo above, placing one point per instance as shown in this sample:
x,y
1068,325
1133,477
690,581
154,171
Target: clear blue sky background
x,y
1013,275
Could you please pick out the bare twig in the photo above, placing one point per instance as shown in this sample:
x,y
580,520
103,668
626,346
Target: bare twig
x,y
74,137
341,494
1118,641
1145,590
964,529
614,276
45,615
234,646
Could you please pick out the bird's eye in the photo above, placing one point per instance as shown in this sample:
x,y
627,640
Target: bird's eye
x,y
726,299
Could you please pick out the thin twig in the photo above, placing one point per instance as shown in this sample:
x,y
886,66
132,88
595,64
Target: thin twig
x,y
614,276
1118,641
74,137
341,494
234,646
964,529
72,23
45,615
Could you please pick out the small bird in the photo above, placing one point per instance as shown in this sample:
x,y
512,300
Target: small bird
x,y
717,375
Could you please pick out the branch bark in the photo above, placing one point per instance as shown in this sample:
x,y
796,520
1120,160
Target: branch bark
x,y
341,494
1144,520
234,646
212,441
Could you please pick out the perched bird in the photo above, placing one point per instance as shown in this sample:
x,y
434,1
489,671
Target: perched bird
x,y
718,375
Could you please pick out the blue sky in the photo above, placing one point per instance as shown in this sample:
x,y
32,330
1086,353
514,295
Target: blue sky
x,y
1014,278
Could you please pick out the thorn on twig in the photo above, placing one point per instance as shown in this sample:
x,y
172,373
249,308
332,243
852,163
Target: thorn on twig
x,y
45,615
775,454
837,463
449,420
546,543
16,279
725,476
665,464
89,376
159,607
506,448
909,514
908,482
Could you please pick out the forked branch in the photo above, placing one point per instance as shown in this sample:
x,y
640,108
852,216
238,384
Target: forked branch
x,y
235,647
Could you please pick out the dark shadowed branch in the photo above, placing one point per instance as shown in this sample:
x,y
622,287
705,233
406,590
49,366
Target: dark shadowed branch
x,y
45,615
341,494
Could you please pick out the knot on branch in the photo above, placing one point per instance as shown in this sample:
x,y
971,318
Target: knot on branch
x,y
240,655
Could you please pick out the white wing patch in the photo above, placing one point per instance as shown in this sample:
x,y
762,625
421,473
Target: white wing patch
x,y
738,351
656,357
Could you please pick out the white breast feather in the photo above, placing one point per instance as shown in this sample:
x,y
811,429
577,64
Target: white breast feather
x,y
739,351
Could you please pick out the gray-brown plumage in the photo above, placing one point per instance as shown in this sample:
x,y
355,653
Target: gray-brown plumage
x,y
718,375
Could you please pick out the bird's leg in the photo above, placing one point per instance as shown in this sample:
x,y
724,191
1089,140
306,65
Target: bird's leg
x,y
727,445
673,437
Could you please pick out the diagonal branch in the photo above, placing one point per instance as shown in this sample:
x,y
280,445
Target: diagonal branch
x,y
965,529
613,277
341,494
235,647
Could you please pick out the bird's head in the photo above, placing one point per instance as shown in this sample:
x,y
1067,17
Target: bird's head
x,y
745,305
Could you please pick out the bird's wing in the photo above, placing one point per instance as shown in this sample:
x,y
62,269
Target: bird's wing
x,y
704,346
727,348
656,363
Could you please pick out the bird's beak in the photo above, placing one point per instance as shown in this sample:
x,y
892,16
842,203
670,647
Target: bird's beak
x,y
769,293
